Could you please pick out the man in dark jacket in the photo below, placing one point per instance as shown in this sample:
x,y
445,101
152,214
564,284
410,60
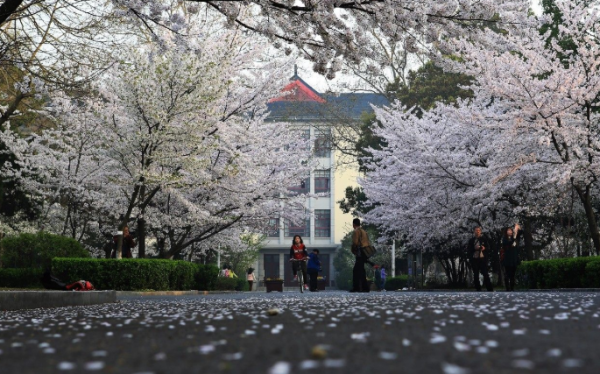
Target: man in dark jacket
x,y
359,276
313,268
477,250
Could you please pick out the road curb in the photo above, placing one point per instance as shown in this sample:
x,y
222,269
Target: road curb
x,y
172,293
16,300
503,291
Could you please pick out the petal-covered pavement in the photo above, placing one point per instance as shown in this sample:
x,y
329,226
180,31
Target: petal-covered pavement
x,y
326,332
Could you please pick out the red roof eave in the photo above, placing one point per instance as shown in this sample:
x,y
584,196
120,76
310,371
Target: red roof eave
x,y
298,91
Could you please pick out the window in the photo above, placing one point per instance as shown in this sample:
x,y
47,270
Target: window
x,y
273,230
302,186
323,142
301,228
322,181
305,140
322,223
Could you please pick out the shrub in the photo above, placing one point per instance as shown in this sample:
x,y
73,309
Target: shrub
x,y
241,284
183,275
343,263
206,277
21,278
565,272
133,274
592,274
577,272
231,284
343,279
38,250
226,284
396,283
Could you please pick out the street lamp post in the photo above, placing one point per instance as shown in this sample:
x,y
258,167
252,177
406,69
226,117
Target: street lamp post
x,y
219,257
393,257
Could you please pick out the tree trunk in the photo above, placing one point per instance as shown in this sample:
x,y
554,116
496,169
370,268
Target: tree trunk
x,y
160,246
12,108
125,218
1,247
163,252
141,224
141,231
446,267
500,277
107,248
119,252
454,271
494,254
191,253
528,238
586,200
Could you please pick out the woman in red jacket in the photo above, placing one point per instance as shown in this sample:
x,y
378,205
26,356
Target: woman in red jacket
x,y
298,256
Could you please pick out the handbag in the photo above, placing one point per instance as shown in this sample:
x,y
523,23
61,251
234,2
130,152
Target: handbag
x,y
368,251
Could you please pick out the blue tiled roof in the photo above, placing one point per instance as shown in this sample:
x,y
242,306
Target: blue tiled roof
x,y
338,107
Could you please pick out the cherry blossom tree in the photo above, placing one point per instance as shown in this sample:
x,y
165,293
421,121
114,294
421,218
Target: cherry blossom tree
x,y
549,91
176,138
515,150
67,169
52,46
325,31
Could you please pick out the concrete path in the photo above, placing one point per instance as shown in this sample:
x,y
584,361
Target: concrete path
x,y
325,332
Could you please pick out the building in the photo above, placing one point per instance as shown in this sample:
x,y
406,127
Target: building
x,y
316,113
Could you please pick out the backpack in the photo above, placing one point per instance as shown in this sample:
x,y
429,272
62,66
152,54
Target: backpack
x,y
81,285
227,273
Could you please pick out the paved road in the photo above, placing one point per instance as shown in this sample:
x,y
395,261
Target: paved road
x,y
328,332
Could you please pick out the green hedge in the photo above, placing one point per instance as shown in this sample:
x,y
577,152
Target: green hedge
x,y
38,250
135,274
592,274
231,284
242,284
396,283
206,277
21,278
580,272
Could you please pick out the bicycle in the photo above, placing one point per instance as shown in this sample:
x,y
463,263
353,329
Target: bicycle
x,y
300,274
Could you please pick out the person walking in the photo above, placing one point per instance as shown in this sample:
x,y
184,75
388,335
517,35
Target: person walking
x,y
359,240
224,272
313,268
509,256
477,249
250,278
231,273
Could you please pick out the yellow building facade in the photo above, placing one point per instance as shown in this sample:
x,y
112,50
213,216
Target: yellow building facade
x,y
317,115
